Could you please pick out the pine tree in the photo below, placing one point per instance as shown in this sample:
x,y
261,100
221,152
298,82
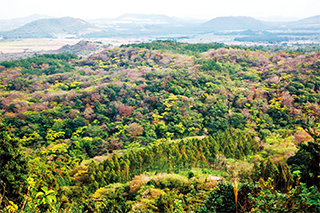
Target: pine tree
x,y
238,154
262,169
117,169
247,148
240,146
285,178
184,159
256,174
126,170
216,148
203,160
254,145
271,171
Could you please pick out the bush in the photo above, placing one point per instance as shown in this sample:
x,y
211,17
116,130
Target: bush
x,y
152,182
221,199
172,181
190,175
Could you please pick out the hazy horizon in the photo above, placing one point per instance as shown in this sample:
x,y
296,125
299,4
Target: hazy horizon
x,y
204,10
266,18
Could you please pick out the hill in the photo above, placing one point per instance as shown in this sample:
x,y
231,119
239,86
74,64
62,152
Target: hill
x,y
10,24
143,24
307,23
235,23
162,26
152,127
52,28
82,48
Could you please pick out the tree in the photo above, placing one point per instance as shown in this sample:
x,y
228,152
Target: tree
x,y
307,161
220,199
14,168
134,130
298,199
271,171
125,111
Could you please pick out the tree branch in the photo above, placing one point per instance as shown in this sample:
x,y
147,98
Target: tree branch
x,y
4,191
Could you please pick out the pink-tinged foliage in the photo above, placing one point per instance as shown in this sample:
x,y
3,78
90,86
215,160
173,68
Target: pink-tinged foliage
x,y
301,136
115,143
88,112
287,99
135,129
125,111
95,97
38,107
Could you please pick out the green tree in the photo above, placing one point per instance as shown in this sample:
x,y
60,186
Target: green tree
x,y
307,160
14,168
271,171
220,199
298,199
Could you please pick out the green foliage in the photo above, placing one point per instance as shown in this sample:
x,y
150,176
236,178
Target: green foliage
x,y
298,199
143,127
46,198
114,205
221,199
207,64
307,161
14,168
56,63
176,47
167,202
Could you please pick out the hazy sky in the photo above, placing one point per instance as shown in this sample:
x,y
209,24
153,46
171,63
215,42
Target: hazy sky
x,y
202,9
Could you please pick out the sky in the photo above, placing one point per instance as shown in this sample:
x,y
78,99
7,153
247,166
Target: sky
x,y
200,9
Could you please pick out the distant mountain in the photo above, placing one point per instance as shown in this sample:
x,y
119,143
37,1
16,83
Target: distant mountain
x,y
139,24
10,24
160,26
189,20
31,18
52,28
278,19
307,23
235,23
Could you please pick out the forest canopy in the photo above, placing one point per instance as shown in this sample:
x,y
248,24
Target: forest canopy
x,y
161,127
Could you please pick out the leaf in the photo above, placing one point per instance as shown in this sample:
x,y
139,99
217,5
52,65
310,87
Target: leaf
x,y
52,198
44,188
50,192
39,194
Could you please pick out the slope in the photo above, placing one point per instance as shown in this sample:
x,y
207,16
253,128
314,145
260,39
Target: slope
x,y
52,28
235,23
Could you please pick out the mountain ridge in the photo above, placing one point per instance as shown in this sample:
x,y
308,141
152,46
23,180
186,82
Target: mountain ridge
x,y
147,24
310,22
235,23
52,28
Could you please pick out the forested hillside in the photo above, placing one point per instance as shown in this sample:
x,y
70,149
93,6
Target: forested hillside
x,y
161,127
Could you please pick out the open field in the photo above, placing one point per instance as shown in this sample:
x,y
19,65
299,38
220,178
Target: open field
x,y
34,45
23,48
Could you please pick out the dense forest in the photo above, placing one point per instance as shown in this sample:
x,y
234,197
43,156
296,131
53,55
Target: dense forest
x,y
162,127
